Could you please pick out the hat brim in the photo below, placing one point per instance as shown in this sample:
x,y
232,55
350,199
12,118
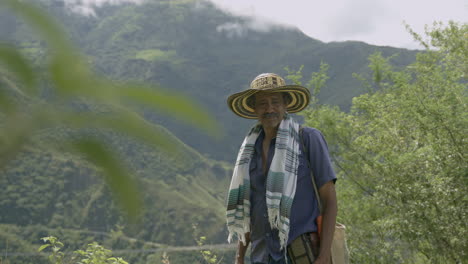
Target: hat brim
x,y
300,98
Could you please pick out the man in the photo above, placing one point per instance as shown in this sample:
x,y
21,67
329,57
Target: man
x,y
271,197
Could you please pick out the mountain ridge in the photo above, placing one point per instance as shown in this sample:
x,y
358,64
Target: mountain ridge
x,y
209,65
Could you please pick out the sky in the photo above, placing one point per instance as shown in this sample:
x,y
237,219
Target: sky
x,y
377,22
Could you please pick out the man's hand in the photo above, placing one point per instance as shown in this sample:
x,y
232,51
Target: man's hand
x,y
239,261
330,208
241,248
320,260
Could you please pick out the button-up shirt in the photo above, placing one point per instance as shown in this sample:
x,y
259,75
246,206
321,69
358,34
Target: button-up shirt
x,y
264,240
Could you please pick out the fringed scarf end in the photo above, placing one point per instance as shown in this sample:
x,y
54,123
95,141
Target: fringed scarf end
x,y
274,218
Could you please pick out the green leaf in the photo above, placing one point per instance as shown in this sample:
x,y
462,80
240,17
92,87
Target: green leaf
x,y
120,182
122,121
72,77
49,238
68,71
6,103
173,103
47,28
43,247
15,133
16,63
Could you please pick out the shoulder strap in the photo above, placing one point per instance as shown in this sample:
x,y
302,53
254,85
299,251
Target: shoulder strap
x,y
306,153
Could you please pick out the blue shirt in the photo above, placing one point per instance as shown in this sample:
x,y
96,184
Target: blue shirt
x,y
304,211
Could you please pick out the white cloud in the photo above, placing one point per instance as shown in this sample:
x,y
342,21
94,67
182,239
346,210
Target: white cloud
x,y
232,29
86,7
241,29
249,23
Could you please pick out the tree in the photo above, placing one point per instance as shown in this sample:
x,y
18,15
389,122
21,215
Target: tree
x,y
401,155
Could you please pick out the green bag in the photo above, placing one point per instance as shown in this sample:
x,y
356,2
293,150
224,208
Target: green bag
x,y
304,249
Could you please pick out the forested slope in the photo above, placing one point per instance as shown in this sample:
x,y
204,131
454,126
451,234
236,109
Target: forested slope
x,y
48,191
194,48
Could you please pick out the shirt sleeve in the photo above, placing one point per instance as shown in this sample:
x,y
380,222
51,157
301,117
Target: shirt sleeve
x,y
319,157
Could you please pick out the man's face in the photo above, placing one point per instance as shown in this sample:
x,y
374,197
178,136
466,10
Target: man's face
x,y
270,108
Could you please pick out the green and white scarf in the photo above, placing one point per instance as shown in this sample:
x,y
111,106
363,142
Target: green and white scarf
x,y
280,184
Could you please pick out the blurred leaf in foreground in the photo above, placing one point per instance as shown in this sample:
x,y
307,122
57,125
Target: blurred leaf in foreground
x,y
70,79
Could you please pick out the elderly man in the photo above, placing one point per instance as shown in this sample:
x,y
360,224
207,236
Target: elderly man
x,y
271,201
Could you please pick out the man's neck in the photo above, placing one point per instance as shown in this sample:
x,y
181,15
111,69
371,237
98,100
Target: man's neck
x,y
270,133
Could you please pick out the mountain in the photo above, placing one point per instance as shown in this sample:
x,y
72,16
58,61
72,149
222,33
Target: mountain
x,y
190,47
183,46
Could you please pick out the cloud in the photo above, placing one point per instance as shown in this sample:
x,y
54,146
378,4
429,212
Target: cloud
x,y
232,29
249,20
241,29
87,7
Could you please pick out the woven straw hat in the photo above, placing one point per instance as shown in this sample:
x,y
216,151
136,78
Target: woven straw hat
x,y
270,82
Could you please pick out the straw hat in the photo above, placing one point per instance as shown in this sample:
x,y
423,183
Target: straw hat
x,y
300,96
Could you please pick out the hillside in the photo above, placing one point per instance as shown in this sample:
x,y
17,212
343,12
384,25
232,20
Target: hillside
x,y
192,47
182,47
47,191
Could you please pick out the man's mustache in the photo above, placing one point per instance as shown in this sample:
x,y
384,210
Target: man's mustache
x,y
268,115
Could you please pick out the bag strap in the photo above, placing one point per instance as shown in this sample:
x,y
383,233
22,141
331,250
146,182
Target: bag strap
x,y
306,152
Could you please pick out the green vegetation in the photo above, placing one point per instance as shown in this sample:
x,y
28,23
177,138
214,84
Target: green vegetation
x,y
401,155
93,254
156,55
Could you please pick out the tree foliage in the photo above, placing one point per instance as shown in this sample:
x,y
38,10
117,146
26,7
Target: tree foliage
x,y
401,155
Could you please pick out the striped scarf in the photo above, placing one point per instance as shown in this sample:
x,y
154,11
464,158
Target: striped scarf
x,y
280,183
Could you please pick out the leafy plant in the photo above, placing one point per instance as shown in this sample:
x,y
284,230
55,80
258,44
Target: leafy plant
x,y
165,258
93,254
97,254
208,256
401,154
56,256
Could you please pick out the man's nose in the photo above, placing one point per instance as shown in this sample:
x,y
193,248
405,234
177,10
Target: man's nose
x,y
269,107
